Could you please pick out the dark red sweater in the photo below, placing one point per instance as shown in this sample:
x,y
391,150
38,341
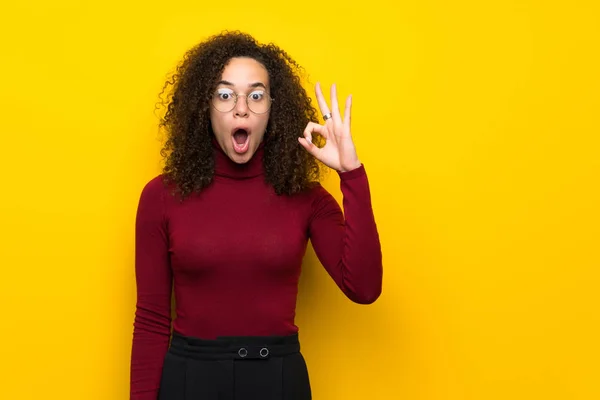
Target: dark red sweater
x,y
233,254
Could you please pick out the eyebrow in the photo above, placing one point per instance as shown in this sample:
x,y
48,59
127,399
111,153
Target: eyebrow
x,y
252,85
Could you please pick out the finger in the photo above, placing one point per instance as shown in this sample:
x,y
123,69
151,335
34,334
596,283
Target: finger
x,y
307,143
311,148
316,128
321,100
347,113
335,110
308,138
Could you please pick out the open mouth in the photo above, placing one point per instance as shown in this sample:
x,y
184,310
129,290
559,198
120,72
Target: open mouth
x,y
241,140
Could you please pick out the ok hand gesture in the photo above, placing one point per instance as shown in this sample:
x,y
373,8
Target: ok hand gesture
x,y
339,152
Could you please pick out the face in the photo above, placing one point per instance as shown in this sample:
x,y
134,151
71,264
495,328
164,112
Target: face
x,y
241,129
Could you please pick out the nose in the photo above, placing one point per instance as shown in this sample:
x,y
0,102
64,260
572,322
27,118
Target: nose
x,y
241,107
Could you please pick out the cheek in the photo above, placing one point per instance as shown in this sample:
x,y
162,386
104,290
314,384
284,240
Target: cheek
x,y
216,121
265,119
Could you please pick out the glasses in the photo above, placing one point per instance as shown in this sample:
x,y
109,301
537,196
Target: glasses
x,y
258,101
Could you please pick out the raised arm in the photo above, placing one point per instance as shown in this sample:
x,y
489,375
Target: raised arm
x,y
349,247
347,244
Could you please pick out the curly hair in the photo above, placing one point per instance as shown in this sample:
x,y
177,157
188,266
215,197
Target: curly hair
x,y
187,151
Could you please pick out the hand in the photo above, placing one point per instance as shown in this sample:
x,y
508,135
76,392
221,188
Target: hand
x,y
339,152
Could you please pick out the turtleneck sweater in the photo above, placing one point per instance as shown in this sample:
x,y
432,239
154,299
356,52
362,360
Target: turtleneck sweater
x,y
232,256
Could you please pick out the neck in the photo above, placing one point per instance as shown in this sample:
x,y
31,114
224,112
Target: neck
x,y
225,167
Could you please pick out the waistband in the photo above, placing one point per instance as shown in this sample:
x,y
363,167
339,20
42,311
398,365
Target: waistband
x,y
234,347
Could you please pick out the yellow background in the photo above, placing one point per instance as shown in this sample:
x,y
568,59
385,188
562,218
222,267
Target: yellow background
x,y
477,122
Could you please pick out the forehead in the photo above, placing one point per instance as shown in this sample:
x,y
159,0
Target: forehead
x,y
243,71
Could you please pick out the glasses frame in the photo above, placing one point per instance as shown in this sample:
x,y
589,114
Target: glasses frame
x,y
236,96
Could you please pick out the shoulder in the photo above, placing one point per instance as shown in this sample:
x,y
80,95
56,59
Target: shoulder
x,y
154,185
320,198
314,191
154,190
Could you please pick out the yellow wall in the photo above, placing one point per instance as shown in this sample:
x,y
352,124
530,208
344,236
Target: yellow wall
x,y
478,124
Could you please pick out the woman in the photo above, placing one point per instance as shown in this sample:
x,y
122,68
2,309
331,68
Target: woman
x,y
226,225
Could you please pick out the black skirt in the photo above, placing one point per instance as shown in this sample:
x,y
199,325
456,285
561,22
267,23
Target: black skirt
x,y
235,368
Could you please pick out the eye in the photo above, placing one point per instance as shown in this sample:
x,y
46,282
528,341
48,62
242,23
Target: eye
x,y
257,95
225,94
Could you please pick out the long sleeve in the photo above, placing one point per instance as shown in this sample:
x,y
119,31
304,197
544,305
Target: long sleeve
x,y
347,244
152,324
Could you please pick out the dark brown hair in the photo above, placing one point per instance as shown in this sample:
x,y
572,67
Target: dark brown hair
x,y
188,152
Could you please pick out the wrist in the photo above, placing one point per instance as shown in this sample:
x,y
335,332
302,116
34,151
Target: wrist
x,y
356,166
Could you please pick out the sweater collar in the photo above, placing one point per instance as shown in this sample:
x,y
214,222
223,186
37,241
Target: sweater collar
x,y
225,167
